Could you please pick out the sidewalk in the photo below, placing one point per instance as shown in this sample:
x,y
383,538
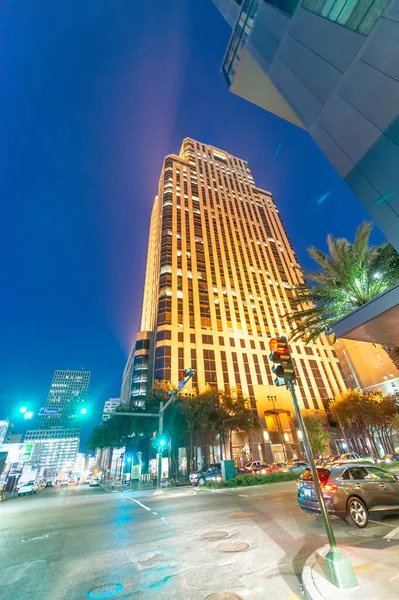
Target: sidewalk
x,y
374,562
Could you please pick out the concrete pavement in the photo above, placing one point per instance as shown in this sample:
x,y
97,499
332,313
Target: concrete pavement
x,y
63,543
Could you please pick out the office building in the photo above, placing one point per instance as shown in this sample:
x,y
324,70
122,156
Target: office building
x,y
331,67
221,273
110,406
67,393
54,450
4,425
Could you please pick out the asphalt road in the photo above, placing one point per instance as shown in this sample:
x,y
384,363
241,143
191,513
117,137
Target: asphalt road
x,y
62,543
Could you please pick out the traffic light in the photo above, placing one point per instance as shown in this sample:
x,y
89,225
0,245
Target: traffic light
x,y
159,441
83,411
23,410
280,355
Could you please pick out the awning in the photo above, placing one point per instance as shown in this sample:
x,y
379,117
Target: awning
x,y
377,321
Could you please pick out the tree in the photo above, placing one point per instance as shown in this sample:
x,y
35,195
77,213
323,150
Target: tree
x,y
237,415
318,435
349,276
372,415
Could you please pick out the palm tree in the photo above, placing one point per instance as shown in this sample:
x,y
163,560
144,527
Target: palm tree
x,y
349,276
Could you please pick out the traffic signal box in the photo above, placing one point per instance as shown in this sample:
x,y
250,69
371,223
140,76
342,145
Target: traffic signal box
x,y
280,355
159,441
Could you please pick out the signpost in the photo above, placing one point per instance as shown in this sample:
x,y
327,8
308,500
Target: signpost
x,y
48,411
339,570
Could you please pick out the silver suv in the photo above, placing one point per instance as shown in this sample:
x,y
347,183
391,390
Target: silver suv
x,y
351,492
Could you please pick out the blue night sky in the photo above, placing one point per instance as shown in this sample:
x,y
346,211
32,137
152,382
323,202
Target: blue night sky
x,y
94,94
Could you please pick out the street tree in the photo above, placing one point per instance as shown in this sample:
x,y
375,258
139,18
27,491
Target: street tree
x,y
318,435
237,415
347,277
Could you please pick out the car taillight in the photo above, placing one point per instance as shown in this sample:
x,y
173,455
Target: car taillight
x,y
327,487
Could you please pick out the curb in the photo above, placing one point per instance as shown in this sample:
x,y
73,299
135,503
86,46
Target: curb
x,y
309,588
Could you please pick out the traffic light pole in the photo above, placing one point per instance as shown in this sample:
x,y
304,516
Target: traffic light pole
x,y
159,455
339,568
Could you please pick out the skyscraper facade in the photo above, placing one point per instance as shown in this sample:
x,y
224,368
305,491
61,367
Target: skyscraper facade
x,y
221,273
56,443
67,393
110,406
325,65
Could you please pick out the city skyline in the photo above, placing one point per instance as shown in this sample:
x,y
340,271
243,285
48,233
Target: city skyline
x,y
77,238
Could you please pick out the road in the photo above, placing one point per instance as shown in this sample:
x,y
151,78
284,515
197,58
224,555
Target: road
x,y
62,543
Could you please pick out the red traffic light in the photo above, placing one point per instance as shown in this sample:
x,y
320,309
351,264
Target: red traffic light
x,y
273,344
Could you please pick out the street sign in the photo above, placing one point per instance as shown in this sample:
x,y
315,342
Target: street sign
x,y
48,411
26,453
181,384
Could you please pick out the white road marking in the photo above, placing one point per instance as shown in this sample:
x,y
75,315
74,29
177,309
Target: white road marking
x,y
154,513
243,495
392,533
137,502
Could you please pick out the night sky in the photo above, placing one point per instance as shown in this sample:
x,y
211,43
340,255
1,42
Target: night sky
x,y
94,94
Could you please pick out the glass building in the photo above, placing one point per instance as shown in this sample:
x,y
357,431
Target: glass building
x,y
331,67
67,393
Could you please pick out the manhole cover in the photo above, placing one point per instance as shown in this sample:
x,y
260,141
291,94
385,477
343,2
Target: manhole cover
x,y
224,596
105,591
241,515
232,546
214,535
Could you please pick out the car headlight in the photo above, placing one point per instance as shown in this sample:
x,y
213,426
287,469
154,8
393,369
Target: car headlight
x,y
218,479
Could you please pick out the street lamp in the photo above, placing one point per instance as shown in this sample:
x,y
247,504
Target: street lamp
x,y
273,400
23,410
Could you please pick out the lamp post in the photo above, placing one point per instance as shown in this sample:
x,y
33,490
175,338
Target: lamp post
x,y
273,400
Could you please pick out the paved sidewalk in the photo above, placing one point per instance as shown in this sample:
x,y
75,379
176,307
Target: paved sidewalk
x,y
374,562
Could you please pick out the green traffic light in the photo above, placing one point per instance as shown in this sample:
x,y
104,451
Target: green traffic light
x,y
162,442
23,410
83,411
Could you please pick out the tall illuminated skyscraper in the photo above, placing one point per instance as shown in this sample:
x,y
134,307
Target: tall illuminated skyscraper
x,y
67,392
220,274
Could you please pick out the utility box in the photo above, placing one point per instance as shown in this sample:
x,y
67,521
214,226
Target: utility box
x,y
228,469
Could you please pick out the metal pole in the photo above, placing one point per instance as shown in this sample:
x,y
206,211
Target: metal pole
x,y
339,568
273,398
159,455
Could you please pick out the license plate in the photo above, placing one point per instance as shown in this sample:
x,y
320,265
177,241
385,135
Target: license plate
x,y
307,492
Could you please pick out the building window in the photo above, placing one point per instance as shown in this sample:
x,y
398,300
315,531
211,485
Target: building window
x,y
360,16
221,341
207,339
142,344
164,335
192,338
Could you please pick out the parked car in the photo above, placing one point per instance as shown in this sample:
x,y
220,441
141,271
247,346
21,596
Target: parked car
x,y
243,471
270,468
298,467
95,482
211,472
64,482
351,492
255,464
354,457
27,488
388,458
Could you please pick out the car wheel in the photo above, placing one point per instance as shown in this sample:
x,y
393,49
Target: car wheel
x,y
201,481
19,495
31,493
358,514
